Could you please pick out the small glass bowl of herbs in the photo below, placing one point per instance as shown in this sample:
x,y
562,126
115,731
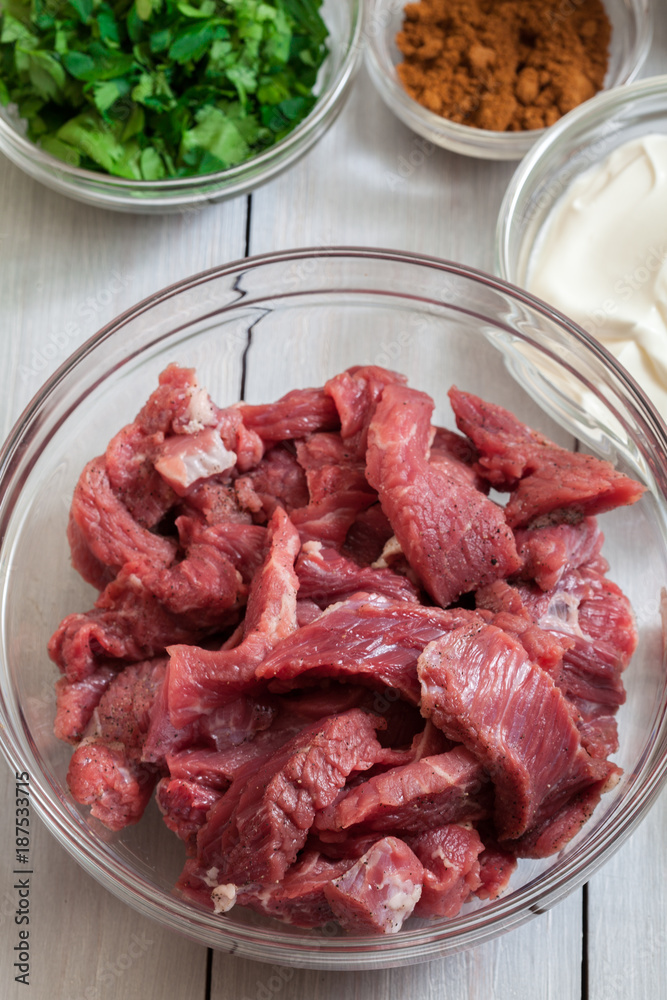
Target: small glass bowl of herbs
x,y
156,105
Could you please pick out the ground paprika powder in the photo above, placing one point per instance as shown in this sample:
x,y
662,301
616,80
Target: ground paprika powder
x,y
504,65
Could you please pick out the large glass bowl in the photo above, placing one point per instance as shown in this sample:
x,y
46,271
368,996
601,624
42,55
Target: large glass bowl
x,y
262,326
632,31
344,20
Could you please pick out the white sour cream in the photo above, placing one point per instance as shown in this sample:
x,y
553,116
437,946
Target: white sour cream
x,y
602,259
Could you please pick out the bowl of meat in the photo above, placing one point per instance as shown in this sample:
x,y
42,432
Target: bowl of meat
x,y
334,671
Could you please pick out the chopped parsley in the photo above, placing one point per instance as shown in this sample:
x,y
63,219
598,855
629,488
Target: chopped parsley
x,y
153,89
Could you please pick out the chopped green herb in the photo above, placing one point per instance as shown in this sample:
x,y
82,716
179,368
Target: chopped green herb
x,y
152,89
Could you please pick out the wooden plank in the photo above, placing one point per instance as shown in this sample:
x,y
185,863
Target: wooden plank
x,y
540,959
66,271
627,918
372,182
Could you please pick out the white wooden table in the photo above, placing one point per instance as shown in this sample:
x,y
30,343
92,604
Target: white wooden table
x,y
66,269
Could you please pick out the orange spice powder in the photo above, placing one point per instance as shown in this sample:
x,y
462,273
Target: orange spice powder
x,y
504,65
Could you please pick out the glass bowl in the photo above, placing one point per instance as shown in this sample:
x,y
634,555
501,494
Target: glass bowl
x,y
344,19
577,142
632,31
263,326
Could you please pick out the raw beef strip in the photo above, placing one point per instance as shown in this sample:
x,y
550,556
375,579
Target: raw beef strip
x,y
184,805
453,536
127,623
182,407
543,647
326,576
495,869
341,844
368,535
550,551
449,788
178,404
307,612
129,461
367,638
93,570
209,580
124,710
597,617
278,803
177,440
199,680
300,412
238,721
337,487
379,891
447,445
243,544
214,502
480,688
218,768
103,523
238,437
592,672
117,789
450,856
598,728
228,725
356,393
277,480
76,701
299,898
106,771
130,455
607,614
554,832
146,608
206,751
544,479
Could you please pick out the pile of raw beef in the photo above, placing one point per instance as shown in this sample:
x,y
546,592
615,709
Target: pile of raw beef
x,y
360,688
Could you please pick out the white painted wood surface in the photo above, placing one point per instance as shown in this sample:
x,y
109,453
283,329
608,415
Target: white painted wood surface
x,y
66,270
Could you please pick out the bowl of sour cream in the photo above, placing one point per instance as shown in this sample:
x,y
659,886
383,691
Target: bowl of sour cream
x,y
583,226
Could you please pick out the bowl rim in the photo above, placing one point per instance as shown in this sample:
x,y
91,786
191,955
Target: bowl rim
x,y
221,179
598,110
416,115
337,952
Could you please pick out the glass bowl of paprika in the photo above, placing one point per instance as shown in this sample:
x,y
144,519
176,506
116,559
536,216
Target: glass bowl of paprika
x,y
489,83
